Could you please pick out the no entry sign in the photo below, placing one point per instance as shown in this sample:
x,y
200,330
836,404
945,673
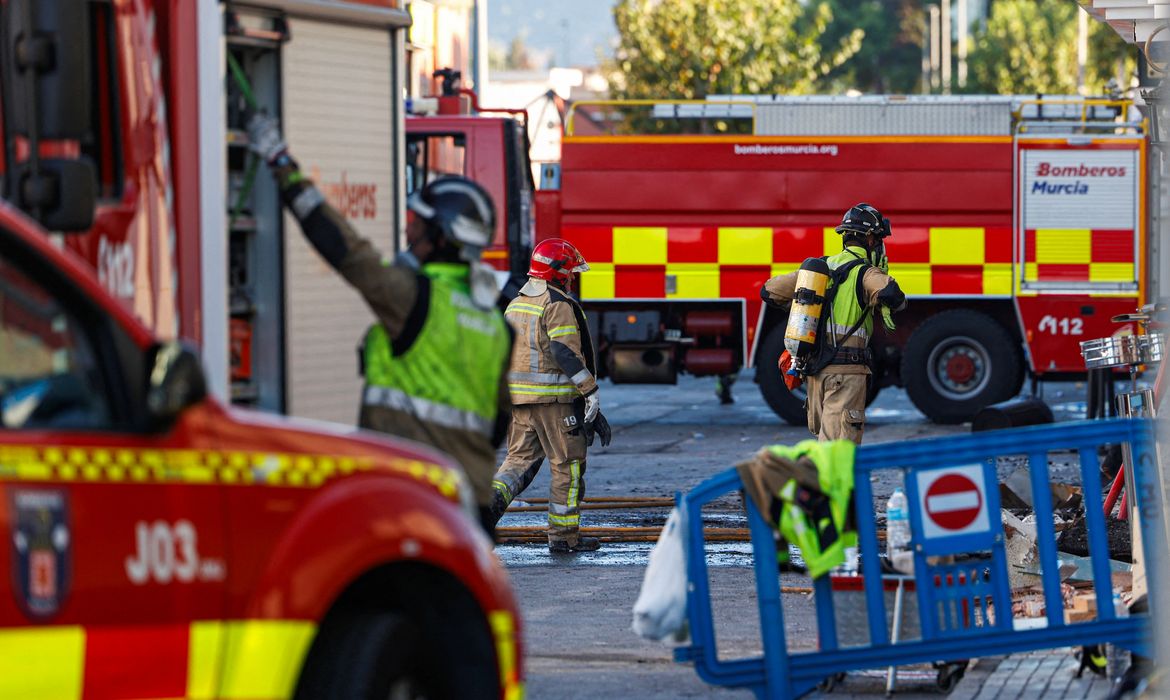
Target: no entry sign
x,y
952,501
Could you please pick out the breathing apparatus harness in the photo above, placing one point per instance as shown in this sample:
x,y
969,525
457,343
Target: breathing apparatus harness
x,y
807,352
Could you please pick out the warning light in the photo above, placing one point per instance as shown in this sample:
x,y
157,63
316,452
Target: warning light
x,y
631,319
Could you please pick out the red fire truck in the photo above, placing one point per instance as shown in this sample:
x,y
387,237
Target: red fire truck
x,y
214,260
1019,228
160,544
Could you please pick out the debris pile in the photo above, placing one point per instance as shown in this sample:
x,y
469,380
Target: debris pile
x,y
1068,519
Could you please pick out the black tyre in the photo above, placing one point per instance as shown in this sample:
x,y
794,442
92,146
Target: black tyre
x,y
959,362
786,404
383,655
949,675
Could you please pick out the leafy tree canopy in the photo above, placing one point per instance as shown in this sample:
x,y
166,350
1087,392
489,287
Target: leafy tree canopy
x,y
689,49
889,58
1031,46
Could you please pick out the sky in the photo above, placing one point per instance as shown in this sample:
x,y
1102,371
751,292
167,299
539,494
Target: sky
x,y
573,31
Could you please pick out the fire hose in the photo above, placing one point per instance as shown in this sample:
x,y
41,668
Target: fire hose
x,y
539,534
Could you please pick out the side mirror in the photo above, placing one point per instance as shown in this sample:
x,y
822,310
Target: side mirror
x,y
176,382
46,68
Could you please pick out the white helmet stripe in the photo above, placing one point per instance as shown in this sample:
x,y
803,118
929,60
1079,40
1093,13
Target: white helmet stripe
x,y
416,204
459,187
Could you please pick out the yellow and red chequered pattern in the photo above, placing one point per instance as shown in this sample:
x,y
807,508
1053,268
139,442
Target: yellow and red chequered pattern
x,y
1079,255
733,262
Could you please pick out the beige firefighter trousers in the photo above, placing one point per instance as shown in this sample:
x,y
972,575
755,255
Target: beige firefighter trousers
x,y
547,430
836,406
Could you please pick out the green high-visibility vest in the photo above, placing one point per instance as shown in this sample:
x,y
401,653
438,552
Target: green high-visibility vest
x,y
820,550
847,308
450,374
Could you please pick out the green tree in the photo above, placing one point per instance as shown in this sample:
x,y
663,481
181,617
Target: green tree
x,y
688,49
889,59
1031,46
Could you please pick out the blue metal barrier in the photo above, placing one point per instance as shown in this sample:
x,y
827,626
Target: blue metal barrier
x,y
953,498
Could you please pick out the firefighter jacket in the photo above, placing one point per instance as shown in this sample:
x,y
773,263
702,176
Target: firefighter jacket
x,y
806,492
434,361
863,289
553,359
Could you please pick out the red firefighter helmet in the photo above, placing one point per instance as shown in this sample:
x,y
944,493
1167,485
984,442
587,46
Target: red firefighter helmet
x,y
556,260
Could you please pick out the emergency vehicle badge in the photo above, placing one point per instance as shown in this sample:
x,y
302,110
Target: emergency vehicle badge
x,y
41,549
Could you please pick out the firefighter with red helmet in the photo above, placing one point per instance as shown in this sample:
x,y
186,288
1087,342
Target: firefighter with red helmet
x,y
553,384
837,377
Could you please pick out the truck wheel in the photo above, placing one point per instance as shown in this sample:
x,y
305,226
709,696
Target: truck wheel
x,y
959,362
786,404
378,655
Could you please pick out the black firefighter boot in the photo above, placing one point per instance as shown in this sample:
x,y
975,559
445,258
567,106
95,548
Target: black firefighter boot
x,y
584,544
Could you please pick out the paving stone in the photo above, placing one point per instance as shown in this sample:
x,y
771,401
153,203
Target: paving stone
x,y
1038,675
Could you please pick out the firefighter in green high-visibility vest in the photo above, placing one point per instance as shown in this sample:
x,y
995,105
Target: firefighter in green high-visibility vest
x,y
435,361
837,387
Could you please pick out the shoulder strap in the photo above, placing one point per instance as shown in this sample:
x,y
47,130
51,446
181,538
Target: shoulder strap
x,y
826,353
415,319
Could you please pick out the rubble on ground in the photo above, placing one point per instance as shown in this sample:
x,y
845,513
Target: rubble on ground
x,y
1019,520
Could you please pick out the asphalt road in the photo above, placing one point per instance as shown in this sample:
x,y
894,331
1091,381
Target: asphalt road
x,y
577,609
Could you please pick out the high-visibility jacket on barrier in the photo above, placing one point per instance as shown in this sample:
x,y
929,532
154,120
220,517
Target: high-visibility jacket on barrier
x,y
806,492
444,383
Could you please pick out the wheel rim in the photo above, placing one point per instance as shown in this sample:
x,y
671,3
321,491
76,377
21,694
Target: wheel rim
x,y
959,368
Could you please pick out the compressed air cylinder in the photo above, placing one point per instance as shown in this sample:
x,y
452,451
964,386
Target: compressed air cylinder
x,y
801,334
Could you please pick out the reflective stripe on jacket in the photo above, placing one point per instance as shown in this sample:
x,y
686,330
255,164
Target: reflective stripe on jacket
x,y
552,358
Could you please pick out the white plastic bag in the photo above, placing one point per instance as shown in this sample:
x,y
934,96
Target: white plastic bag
x,y
661,610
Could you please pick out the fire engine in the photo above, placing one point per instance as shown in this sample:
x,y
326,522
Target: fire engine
x,y
159,543
1018,228
216,261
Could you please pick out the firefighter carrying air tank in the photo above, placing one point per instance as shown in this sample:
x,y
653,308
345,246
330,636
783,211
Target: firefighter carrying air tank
x,y
828,332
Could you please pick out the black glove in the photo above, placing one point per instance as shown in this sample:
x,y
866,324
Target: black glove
x,y
600,427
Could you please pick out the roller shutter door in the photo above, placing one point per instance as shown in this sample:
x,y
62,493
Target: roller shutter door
x,y
338,121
